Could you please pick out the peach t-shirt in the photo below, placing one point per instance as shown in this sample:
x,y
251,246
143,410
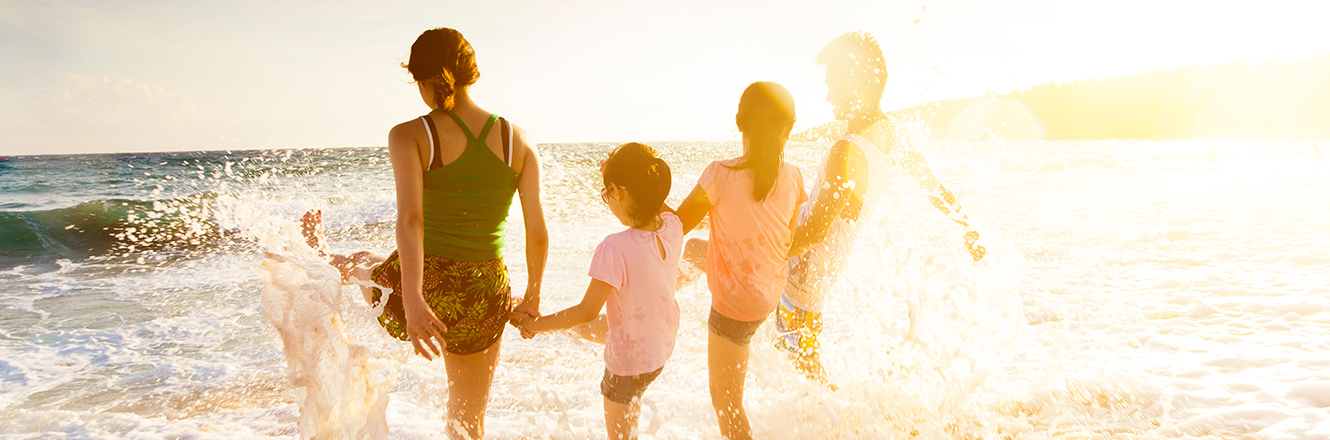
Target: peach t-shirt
x,y
746,258
642,313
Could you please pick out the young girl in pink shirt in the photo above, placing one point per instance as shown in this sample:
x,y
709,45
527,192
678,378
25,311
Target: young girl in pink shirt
x,y
632,275
753,201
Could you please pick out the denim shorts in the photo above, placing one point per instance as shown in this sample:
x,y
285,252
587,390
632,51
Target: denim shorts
x,y
626,389
738,332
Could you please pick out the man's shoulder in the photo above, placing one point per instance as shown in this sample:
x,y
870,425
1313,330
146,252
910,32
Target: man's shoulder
x,y
881,134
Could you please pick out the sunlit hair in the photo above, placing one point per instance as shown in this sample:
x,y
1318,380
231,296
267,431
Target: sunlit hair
x,y
443,58
859,52
645,176
766,115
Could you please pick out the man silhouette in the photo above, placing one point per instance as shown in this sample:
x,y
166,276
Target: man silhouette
x,y
856,76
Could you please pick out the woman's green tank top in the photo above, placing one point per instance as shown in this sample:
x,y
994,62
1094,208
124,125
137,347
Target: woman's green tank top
x,y
466,202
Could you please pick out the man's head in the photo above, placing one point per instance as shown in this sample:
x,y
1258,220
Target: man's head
x,y
856,74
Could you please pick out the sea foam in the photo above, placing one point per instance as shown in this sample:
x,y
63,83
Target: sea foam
x,y
339,394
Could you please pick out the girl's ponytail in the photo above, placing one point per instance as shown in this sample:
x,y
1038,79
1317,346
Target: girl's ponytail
x,y
766,116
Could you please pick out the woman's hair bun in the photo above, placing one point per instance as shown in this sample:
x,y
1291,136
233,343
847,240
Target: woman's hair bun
x,y
444,59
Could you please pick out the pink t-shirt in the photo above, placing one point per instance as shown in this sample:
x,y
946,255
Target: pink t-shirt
x,y
746,258
643,316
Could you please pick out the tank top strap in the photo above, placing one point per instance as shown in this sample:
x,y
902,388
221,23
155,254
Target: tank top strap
x,y
435,154
485,132
869,148
462,125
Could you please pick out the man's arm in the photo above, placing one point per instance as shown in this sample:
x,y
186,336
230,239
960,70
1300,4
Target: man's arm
x,y
942,199
836,190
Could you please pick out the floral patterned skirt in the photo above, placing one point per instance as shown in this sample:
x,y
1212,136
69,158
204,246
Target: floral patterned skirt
x,y
471,297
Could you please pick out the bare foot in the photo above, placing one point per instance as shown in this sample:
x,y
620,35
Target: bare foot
x,y
311,226
811,366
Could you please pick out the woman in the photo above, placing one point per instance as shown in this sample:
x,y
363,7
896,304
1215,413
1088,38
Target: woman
x,y
753,201
450,295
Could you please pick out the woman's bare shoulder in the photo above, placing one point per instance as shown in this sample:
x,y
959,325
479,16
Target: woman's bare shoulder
x,y
411,127
404,133
522,138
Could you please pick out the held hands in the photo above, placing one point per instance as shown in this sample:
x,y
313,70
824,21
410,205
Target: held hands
x,y
522,321
525,311
423,328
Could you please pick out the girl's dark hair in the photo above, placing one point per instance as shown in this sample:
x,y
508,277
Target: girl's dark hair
x,y
645,176
444,58
766,115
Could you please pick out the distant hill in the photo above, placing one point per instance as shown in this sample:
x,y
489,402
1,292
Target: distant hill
x,y
1271,100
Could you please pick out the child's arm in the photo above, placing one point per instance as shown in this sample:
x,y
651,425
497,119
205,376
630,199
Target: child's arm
x,y
693,208
586,311
594,331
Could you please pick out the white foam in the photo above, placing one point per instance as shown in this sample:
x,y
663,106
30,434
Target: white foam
x,y
339,393
1159,296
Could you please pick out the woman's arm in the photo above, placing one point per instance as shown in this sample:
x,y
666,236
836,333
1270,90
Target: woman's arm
x,y
586,311
693,208
533,217
422,327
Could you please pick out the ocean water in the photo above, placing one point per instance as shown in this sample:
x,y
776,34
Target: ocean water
x,y
1132,290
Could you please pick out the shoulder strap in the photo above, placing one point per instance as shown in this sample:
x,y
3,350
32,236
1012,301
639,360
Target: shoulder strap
x,y
858,140
870,149
485,132
461,124
435,156
507,130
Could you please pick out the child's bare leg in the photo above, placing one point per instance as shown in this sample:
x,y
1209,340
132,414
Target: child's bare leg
x,y
353,267
311,226
357,267
727,363
621,419
593,331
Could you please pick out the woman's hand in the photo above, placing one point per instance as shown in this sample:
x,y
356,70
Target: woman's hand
x,y
423,328
529,306
522,321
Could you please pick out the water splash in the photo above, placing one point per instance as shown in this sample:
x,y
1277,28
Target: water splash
x,y
339,394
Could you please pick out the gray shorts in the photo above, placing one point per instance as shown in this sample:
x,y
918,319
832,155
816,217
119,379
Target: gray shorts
x,y
738,332
626,389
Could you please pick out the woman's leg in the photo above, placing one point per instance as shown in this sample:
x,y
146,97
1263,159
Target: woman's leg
x,y
469,380
620,419
727,363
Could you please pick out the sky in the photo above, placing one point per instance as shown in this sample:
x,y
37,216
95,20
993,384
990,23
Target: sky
x,y
158,75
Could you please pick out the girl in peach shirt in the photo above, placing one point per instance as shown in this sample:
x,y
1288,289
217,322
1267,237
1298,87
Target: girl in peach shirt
x,y
753,201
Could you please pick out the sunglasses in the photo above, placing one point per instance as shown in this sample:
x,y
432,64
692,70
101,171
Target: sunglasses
x,y
605,193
